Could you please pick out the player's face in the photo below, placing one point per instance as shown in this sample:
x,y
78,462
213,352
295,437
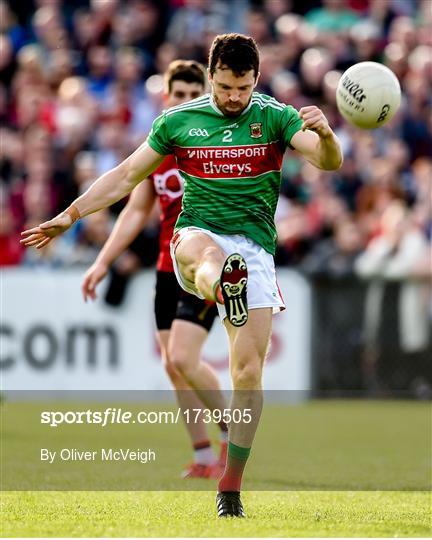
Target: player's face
x,y
232,94
181,91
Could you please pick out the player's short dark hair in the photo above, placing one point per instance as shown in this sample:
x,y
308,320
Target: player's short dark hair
x,y
236,52
184,70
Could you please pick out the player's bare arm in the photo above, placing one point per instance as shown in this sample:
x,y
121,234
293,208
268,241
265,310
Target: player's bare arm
x,y
105,191
129,224
316,141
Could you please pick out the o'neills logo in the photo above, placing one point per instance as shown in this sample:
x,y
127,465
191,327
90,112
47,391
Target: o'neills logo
x,y
229,161
354,89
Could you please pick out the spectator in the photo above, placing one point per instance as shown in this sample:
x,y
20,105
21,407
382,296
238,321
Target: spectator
x,y
334,16
335,257
188,26
394,255
100,65
11,252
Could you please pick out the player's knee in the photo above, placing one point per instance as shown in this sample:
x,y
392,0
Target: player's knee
x,y
247,375
188,269
174,374
170,370
179,360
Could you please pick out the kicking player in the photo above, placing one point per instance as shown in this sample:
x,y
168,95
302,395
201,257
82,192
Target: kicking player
x,y
229,147
182,320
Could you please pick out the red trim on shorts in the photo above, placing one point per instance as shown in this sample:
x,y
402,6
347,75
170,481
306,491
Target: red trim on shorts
x,y
282,308
174,240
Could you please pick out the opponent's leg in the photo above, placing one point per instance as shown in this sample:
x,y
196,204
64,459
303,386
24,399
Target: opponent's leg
x,y
185,345
248,348
184,349
188,399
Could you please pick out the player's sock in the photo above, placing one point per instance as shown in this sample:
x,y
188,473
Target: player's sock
x,y
203,453
223,444
236,462
217,292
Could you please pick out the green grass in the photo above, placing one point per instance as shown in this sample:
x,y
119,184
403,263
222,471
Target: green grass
x,y
346,468
184,514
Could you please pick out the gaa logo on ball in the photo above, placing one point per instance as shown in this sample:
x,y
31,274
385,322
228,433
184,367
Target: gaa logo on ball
x,y
368,95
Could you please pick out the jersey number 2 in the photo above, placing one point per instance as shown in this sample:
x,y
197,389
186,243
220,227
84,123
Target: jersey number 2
x,y
227,135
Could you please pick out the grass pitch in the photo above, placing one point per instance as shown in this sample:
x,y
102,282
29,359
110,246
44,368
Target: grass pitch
x,y
184,514
325,455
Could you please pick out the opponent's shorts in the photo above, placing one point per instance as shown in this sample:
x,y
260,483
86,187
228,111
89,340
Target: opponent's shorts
x,y
171,302
262,288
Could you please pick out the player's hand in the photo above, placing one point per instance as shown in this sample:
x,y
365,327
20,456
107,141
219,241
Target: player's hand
x,y
43,234
314,119
93,276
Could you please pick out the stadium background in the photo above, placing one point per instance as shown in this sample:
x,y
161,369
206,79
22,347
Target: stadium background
x,y
81,84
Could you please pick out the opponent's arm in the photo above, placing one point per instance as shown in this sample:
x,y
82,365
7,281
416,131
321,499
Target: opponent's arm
x,y
129,224
316,140
106,190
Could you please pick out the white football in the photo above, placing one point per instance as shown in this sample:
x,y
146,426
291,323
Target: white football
x,y
368,95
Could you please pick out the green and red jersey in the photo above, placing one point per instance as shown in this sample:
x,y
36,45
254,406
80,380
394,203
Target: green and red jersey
x,y
230,165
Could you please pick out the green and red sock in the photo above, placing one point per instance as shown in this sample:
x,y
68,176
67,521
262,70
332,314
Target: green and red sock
x,y
236,462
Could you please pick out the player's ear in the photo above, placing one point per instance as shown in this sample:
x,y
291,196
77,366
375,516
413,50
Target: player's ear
x,y
257,78
209,77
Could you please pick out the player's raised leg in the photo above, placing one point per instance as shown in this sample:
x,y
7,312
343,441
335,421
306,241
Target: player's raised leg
x,y
200,260
207,270
248,349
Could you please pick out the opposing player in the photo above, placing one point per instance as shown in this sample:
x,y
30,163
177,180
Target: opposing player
x,y
182,320
229,147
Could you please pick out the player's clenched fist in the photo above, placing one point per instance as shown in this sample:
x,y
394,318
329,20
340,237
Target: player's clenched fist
x,y
314,119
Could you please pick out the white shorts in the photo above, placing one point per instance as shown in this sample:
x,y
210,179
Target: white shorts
x,y
262,288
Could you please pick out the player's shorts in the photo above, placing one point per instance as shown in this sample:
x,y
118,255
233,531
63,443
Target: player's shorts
x,y
171,302
262,289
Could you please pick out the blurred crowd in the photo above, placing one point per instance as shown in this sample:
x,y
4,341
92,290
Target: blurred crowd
x,y
82,82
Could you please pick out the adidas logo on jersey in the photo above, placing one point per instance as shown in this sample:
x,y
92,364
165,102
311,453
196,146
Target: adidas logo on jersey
x,y
198,132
